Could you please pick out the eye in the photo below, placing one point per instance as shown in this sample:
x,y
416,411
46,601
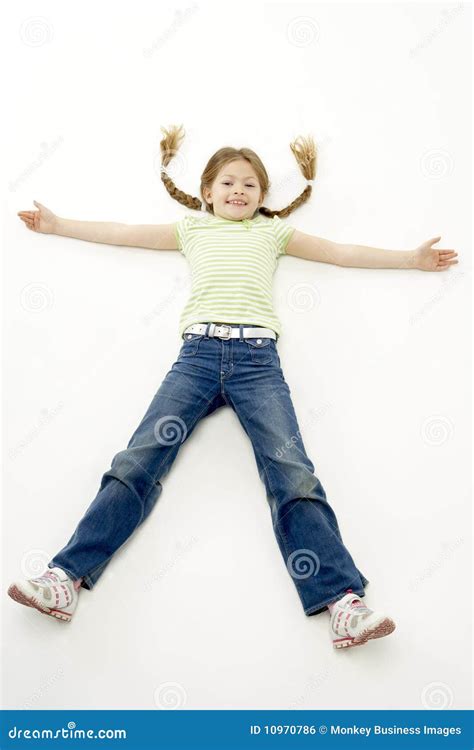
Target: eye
x,y
228,183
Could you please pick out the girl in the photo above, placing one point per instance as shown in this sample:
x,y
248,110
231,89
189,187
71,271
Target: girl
x,y
228,357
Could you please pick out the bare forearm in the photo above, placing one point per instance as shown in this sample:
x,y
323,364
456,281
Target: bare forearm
x,y
108,232
361,256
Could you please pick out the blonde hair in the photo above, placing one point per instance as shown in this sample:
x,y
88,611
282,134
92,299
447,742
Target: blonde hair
x,y
304,150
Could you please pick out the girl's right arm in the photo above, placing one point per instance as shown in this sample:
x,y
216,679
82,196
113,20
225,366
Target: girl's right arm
x,y
152,236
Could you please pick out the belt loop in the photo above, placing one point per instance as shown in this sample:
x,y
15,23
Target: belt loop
x,y
207,331
241,329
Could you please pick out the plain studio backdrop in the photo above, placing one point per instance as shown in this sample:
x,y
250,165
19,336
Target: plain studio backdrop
x,y
197,610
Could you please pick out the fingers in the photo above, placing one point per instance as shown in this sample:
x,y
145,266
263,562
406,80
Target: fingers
x,y
29,222
443,266
30,219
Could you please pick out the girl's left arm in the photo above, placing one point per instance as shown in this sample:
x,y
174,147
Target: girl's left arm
x,y
423,258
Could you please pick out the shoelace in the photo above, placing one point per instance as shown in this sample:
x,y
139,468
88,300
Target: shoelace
x,y
47,577
358,607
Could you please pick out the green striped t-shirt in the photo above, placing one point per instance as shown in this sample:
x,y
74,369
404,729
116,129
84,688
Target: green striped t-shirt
x,y
232,266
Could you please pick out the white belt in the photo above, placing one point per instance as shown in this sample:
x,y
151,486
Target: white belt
x,y
224,331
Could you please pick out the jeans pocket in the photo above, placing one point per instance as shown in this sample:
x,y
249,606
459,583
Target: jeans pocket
x,y
190,344
261,350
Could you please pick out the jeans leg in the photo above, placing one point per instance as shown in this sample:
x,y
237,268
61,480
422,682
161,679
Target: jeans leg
x,y
304,523
130,488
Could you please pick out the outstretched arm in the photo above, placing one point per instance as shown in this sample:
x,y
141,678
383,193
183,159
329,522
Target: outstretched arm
x,y
423,258
153,236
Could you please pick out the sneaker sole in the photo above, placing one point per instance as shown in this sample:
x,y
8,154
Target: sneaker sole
x,y
15,593
385,627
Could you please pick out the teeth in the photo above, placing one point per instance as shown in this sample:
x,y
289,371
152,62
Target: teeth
x,y
237,203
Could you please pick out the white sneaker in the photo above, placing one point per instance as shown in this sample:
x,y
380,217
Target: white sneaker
x,y
353,624
52,593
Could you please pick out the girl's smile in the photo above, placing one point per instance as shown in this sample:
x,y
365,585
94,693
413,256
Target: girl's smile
x,y
235,194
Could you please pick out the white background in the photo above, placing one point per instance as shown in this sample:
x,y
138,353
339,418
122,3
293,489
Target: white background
x,y
198,611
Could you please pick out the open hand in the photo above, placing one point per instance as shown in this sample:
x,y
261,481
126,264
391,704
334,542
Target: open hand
x,y
430,259
43,220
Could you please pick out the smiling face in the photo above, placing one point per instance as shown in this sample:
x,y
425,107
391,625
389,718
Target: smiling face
x,y
235,193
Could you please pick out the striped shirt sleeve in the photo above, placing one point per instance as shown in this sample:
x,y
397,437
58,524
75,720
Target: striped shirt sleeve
x,y
282,232
180,228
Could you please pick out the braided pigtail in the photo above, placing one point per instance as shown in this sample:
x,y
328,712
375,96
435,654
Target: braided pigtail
x,y
306,153
169,148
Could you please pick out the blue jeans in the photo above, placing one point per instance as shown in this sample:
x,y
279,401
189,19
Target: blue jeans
x,y
246,375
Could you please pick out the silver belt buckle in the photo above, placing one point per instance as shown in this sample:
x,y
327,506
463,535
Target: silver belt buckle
x,y
222,336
